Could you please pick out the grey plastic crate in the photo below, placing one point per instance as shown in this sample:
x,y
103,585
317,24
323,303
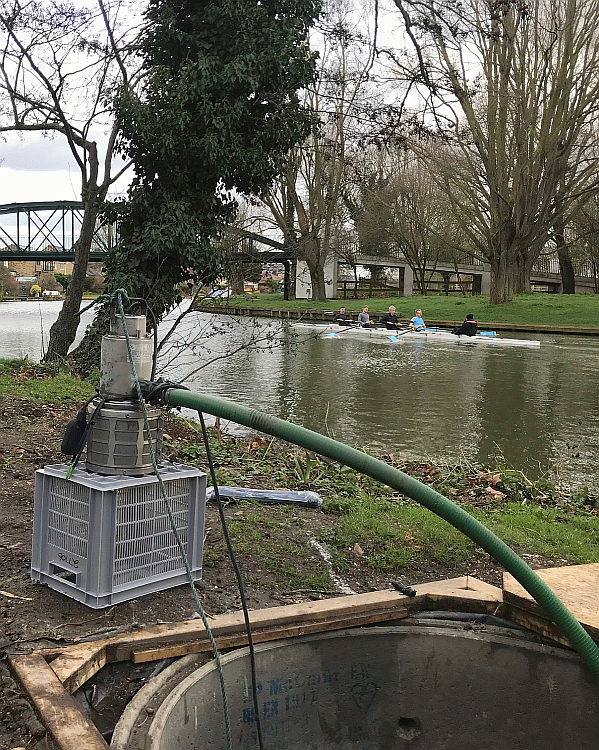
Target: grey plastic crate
x,y
107,539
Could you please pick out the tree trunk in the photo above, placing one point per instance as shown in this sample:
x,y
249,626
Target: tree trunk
x,y
310,249
319,293
566,267
64,330
236,280
510,272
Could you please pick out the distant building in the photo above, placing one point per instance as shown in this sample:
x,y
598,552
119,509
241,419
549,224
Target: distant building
x,y
38,266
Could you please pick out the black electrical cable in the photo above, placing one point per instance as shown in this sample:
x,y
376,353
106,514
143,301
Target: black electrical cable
x,y
88,428
237,575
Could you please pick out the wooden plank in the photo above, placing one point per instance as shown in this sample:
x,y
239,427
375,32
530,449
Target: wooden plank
x,y
120,647
464,592
58,711
536,624
76,664
575,585
234,640
461,589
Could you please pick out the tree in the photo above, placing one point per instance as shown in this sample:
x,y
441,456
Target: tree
x,y
217,114
57,67
8,283
306,203
516,91
399,211
585,230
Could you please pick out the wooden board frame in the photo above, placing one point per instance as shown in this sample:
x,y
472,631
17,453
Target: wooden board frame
x,y
49,676
576,585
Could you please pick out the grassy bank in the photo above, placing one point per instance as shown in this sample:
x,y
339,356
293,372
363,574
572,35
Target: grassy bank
x,y
564,310
389,532
372,533
41,383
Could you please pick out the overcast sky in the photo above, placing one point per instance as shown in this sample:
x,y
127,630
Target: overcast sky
x,y
34,168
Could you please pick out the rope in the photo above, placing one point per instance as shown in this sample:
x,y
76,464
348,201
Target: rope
x,y
121,294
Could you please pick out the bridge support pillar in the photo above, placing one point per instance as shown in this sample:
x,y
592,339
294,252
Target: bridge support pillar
x,y
485,283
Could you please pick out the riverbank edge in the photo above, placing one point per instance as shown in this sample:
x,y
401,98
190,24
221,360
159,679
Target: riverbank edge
x,y
324,316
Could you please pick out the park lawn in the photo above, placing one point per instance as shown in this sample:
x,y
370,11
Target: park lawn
x,y
561,310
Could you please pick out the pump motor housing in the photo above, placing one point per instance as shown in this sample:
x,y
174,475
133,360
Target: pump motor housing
x,y
116,380
118,441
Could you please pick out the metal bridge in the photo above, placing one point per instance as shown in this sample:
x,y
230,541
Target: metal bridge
x,y
47,230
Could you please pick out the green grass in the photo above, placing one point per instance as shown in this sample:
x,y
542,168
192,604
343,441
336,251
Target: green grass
x,y
392,535
527,309
42,383
393,532
547,531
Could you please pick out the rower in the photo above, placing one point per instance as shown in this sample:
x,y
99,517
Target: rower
x,y
364,318
468,327
342,318
417,322
390,320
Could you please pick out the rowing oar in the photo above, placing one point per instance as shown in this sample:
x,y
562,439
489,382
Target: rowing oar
x,y
395,338
407,330
346,328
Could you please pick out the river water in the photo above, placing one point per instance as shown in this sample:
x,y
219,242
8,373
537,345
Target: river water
x,y
536,410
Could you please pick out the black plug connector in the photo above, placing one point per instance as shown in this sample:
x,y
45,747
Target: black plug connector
x,y
75,434
403,588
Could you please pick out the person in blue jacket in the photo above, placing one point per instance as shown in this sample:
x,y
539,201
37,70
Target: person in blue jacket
x,y
417,323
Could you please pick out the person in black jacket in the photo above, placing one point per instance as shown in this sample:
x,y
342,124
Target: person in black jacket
x,y
468,327
342,318
390,320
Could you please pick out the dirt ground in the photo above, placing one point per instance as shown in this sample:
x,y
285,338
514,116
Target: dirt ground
x,y
34,616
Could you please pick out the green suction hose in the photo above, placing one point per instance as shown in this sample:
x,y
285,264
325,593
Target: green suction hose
x,y
397,480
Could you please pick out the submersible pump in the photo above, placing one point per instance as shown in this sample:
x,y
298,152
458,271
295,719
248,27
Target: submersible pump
x,y
125,522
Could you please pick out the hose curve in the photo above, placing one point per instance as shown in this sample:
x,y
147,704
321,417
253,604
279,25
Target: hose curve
x,y
397,480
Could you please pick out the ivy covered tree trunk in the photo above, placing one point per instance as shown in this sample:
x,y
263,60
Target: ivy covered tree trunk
x,y
218,115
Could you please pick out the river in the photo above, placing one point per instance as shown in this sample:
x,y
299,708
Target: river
x,y
536,410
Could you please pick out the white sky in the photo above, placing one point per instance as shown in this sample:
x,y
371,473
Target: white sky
x,y
34,168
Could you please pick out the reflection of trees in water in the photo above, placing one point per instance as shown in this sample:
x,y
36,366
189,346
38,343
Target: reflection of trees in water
x,y
416,399
199,340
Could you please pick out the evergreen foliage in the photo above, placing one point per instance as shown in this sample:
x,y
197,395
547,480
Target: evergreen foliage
x,y
218,113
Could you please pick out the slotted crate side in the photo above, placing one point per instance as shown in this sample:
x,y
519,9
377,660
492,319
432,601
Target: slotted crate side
x,y
145,544
105,539
68,517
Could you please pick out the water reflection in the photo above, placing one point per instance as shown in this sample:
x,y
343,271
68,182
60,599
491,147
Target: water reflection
x,y
25,327
539,409
535,409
